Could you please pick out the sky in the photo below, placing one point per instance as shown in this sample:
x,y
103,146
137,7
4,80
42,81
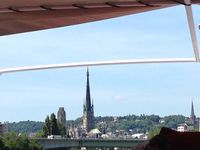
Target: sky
x,y
117,90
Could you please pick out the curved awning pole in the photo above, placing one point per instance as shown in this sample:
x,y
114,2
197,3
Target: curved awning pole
x,y
97,63
191,24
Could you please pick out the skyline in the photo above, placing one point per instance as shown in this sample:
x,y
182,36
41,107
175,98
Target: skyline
x,y
142,89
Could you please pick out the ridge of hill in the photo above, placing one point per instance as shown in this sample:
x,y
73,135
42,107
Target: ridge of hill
x,y
137,123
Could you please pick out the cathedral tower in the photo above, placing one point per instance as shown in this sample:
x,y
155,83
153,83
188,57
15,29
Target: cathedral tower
x,y
88,109
61,116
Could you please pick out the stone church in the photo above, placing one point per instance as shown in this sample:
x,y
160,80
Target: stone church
x,y
88,109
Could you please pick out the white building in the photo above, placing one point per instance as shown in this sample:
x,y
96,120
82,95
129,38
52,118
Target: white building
x,y
182,128
139,136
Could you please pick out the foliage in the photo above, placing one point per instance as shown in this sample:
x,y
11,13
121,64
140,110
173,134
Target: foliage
x,y
135,123
40,134
62,129
142,123
174,120
25,126
12,141
47,127
1,144
153,132
53,125
35,146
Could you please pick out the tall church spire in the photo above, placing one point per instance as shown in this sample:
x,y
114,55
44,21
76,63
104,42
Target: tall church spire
x,y
88,110
88,98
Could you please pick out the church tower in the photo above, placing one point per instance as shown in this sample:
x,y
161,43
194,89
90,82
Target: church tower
x,y
61,116
88,109
192,115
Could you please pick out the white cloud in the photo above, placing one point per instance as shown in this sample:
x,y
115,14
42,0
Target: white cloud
x,y
119,98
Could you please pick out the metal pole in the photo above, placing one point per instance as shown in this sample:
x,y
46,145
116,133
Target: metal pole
x,y
97,63
191,24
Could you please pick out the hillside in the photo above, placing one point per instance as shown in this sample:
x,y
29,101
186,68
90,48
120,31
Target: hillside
x,y
142,123
25,126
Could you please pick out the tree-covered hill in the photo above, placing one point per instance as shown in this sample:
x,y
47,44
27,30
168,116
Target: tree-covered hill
x,y
135,123
142,123
25,126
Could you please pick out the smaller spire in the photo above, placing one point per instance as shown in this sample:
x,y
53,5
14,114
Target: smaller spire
x,y
192,109
192,115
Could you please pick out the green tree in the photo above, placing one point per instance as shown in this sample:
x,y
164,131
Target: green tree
x,y
47,127
34,145
62,129
22,143
153,132
12,141
53,125
1,144
25,126
40,134
173,121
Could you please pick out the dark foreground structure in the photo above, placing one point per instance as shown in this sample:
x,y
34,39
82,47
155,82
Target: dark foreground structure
x,y
172,140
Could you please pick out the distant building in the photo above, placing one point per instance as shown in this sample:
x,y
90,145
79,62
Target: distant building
x,y
76,132
3,128
161,121
61,116
193,120
182,128
94,133
139,136
88,109
115,119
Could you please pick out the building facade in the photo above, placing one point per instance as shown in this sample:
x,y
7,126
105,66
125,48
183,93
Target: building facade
x,y
3,128
88,109
61,116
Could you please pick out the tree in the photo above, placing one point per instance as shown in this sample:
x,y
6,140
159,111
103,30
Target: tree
x,y
25,126
153,132
1,144
22,143
35,146
12,141
47,127
40,134
62,129
53,125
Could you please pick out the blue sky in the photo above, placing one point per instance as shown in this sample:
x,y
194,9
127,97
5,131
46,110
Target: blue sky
x,y
162,89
